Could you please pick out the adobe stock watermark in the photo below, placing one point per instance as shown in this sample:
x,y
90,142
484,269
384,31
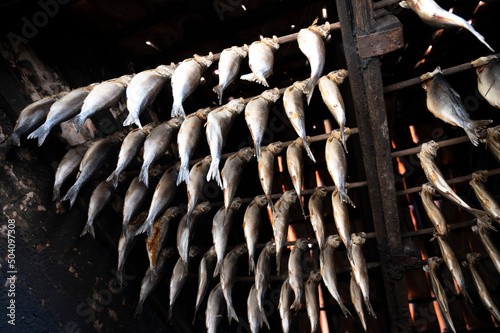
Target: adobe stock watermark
x,y
32,25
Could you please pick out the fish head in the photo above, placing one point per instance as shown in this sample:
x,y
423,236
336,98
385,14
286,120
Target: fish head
x,y
273,43
206,161
321,30
166,70
301,244
492,134
270,247
61,95
172,212
235,204
246,154
168,252
480,176
210,253
120,136
176,122
428,188
334,241
202,208
139,219
193,251
241,51
481,63
314,276
240,249
156,170
124,79
289,196
426,78
321,191
146,129
426,267
271,95
260,200
429,148
473,258
358,238
337,76
235,105
205,61
90,86
203,113
300,85
275,147
434,262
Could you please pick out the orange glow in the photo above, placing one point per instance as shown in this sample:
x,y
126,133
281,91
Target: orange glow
x,y
419,63
291,236
481,3
456,287
467,323
401,166
437,33
319,182
413,218
393,144
328,126
494,321
470,22
413,132
323,321
412,311
442,324
280,163
270,214
429,49
470,245
283,188
451,10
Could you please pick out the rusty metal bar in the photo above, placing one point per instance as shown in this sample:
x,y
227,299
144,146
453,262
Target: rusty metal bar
x,y
444,143
384,3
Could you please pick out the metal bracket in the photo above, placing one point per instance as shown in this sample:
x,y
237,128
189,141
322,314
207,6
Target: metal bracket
x,y
388,36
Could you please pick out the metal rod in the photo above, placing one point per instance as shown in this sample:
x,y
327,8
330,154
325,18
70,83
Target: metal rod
x,y
444,143
384,3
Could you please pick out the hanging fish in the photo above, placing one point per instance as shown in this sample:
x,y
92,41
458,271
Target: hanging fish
x,y
130,146
266,168
31,117
153,276
295,271
228,277
205,272
98,200
316,213
187,140
263,272
293,101
257,114
221,227
336,162
261,60
286,298
215,309
357,300
311,43
280,221
157,143
197,180
65,108
67,167
295,166
251,227
341,217
327,265
437,288
493,141
360,270
482,230
435,16
435,216
232,172
103,96
256,316
312,298
92,162
186,79
485,197
178,279
143,89
445,104
488,78
482,289
229,66
125,245
329,88
218,124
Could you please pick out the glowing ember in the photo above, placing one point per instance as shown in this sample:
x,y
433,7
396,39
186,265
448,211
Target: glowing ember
x,y
244,8
411,208
437,33
328,125
419,63
283,188
412,311
401,166
470,22
325,14
291,236
323,321
319,182
393,144
280,163
413,131
429,49
481,3
270,214
451,10
442,324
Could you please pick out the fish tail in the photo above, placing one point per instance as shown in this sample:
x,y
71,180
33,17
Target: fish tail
x,y
264,320
296,303
302,208
12,140
309,89
131,119
138,309
72,193
251,263
480,37
370,308
147,226
308,150
195,312
56,194
278,259
258,150
89,228
125,232
41,133
344,309
218,267
177,110
144,175
183,175
466,296
169,317
345,198
213,172
185,265
219,92
120,276
114,177
342,138
78,122
231,314
255,78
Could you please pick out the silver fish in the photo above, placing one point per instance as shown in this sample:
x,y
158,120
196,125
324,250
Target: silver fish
x,y
485,197
312,298
215,309
104,95
488,76
178,279
437,288
157,143
295,166
32,116
482,289
218,125
493,141
286,298
163,196
256,316
232,172
445,104
316,213
435,216
185,80
228,277
266,167
295,271
336,162
329,87
160,231
360,270
452,263
435,16
293,101
311,43
130,146
257,114
63,109
143,89
251,227
67,167
98,201
341,217
197,179
205,273
186,229
263,272
153,276
280,221
221,228
229,66
357,300
187,140
327,265
125,244
261,60
92,162
481,229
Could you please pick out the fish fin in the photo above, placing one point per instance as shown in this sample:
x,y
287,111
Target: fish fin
x,y
480,37
147,226
343,139
56,194
467,297
219,92
278,260
217,269
258,150
473,128
270,203
231,314
183,175
264,320
114,177
78,122
132,120
404,4
255,78
72,194
480,214
213,172
309,89
344,309
308,150
346,199
169,317
89,227
178,110
144,175
296,305
41,133
251,264
370,308
120,276
302,208
138,310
